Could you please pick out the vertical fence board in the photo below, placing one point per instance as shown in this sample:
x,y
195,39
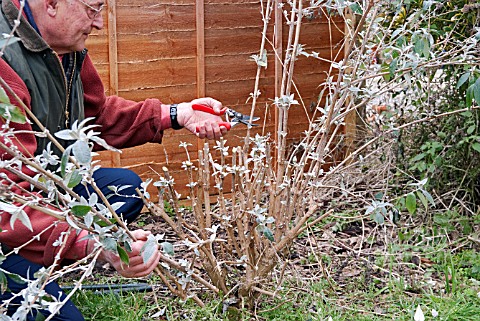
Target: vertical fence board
x,y
200,24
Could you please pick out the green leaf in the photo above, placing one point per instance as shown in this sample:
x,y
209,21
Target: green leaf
x,y
463,79
3,282
469,96
101,223
3,96
81,210
426,48
476,146
418,157
393,67
437,145
268,234
123,255
17,115
386,70
356,8
379,218
15,278
476,91
411,203
73,178
429,197
423,199
441,220
401,41
64,162
12,112
167,248
422,166
471,129
109,243
419,45
40,317
379,196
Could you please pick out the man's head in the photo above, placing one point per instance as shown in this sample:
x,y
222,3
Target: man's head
x,y
66,24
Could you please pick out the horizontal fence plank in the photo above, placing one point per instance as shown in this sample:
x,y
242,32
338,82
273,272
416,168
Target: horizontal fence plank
x,y
172,45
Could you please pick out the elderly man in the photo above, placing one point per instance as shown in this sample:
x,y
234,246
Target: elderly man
x,y
51,72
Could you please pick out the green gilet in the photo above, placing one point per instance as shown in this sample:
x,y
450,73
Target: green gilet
x,y
53,97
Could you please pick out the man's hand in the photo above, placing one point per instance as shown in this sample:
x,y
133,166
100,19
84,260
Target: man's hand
x,y
205,125
136,268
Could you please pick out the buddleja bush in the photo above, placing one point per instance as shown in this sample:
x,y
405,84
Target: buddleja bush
x,y
269,191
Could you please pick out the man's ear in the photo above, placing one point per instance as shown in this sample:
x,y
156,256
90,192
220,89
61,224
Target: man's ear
x,y
51,7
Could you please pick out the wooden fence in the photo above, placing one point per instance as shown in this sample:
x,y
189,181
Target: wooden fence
x,y
180,50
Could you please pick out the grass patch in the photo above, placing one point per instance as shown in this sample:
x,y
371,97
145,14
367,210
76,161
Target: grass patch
x,y
110,306
358,299
388,303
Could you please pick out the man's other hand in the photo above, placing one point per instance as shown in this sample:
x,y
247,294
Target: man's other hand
x,y
136,267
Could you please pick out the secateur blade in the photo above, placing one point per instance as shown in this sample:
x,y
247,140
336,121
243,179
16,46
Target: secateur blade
x,y
237,117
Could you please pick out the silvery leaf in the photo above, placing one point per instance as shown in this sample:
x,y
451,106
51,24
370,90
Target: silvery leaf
x,y
82,152
66,134
149,248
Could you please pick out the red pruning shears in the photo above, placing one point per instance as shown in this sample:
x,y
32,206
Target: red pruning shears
x,y
233,117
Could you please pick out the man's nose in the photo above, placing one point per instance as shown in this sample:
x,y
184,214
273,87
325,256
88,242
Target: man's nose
x,y
97,23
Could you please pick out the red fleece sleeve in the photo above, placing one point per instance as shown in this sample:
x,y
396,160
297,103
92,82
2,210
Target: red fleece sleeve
x,y
46,229
124,123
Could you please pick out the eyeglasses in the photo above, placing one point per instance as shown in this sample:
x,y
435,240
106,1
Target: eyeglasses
x,y
93,12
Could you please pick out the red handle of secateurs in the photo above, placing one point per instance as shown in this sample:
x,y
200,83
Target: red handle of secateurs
x,y
208,109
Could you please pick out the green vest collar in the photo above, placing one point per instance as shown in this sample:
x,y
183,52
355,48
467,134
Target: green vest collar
x,y
29,37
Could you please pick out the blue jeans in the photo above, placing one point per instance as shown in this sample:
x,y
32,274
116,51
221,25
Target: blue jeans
x,y
16,264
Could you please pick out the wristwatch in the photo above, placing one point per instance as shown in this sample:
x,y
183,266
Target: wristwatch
x,y
174,117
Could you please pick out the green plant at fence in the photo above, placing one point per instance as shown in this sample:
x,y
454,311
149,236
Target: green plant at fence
x,y
449,146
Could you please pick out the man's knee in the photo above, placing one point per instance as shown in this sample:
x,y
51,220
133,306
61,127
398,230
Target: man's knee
x,y
131,177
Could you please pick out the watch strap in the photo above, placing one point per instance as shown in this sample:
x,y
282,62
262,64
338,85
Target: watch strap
x,y
174,116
